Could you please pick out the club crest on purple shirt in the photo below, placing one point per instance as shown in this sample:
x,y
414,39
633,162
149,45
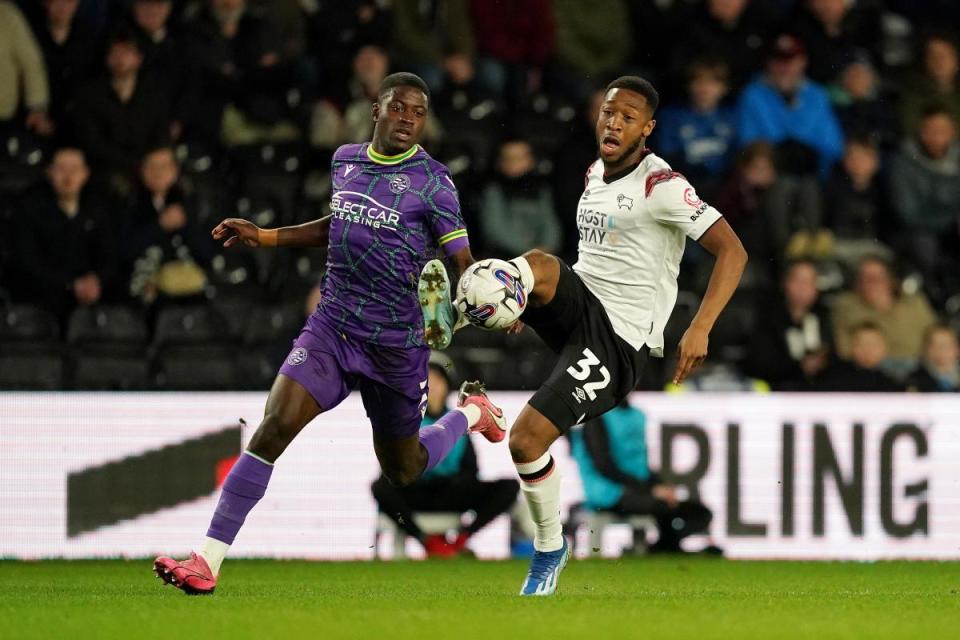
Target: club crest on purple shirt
x,y
399,183
297,356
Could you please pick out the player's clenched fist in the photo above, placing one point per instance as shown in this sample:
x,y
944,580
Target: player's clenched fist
x,y
237,230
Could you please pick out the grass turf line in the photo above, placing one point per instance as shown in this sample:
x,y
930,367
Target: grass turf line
x,y
461,599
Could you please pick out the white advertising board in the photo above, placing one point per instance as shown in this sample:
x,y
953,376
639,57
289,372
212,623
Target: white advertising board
x,y
787,475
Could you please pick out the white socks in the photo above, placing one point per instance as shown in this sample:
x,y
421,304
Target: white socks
x,y
213,551
526,273
472,412
540,482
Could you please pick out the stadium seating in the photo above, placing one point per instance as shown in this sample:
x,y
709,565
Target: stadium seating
x,y
595,522
108,348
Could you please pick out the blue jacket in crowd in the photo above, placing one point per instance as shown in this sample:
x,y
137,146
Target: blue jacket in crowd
x,y
765,115
697,142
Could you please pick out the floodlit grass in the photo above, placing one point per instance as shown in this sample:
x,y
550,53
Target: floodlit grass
x,y
633,598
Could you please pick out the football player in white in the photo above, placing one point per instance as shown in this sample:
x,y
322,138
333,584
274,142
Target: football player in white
x,y
606,315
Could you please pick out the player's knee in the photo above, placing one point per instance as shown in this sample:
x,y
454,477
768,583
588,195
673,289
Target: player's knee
x,y
273,435
402,476
525,446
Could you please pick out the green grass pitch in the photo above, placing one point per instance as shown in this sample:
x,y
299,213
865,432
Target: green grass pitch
x,y
631,598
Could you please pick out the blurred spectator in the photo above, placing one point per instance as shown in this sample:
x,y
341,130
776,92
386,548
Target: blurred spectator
x,y
594,42
611,454
434,39
165,250
65,250
120,116
925,190
516,209
514,41
902,317
330,129
856,207
23,78
244,78
746,202
450,486
938,82
861,105
340,28
71,53
792,112
863,371
939,370
736,31
164,60
579,152
793,340
698,138
831,29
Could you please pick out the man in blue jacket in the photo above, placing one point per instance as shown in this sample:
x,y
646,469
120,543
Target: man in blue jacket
x,y
611,452
785,108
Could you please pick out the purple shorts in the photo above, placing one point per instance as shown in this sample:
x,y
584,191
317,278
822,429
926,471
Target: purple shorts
x,y
392,380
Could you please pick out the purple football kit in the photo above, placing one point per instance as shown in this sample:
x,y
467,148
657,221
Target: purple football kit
x,y
389,215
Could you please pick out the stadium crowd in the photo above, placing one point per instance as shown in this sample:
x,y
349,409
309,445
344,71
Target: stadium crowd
x,y
826,131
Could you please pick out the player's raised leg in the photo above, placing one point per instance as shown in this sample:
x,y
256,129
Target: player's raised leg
x,y
530,440
406,451
289,408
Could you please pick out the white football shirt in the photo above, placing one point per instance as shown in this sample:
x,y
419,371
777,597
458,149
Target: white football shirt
x,y
632,236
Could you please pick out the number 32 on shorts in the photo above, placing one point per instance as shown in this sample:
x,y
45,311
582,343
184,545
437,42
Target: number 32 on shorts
x,y
582,371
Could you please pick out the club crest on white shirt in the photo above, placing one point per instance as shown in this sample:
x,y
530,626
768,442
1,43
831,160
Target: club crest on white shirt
x,y
624,202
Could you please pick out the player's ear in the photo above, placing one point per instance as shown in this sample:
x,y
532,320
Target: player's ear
x,y
648,129
376,111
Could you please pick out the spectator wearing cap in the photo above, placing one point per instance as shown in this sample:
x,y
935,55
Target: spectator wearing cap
x,y
23,78
860,102
939,370
65,251
938,81
451,486
121,116
787,109
831,29
925,191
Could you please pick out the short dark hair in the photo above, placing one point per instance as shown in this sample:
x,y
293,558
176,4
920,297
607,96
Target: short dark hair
x,y
863,139
124,35
936,108
638,85
709,65
403,79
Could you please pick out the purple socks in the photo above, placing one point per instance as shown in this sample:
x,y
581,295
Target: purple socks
x,y
245,485
440,437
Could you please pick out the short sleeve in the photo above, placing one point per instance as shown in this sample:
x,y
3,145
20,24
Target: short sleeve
x,y
444,217
673,201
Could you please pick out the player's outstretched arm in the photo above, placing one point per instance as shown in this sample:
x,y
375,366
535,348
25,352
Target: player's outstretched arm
x,y
235,231
731,258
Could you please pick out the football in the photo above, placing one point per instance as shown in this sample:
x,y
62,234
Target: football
x,y
491,295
